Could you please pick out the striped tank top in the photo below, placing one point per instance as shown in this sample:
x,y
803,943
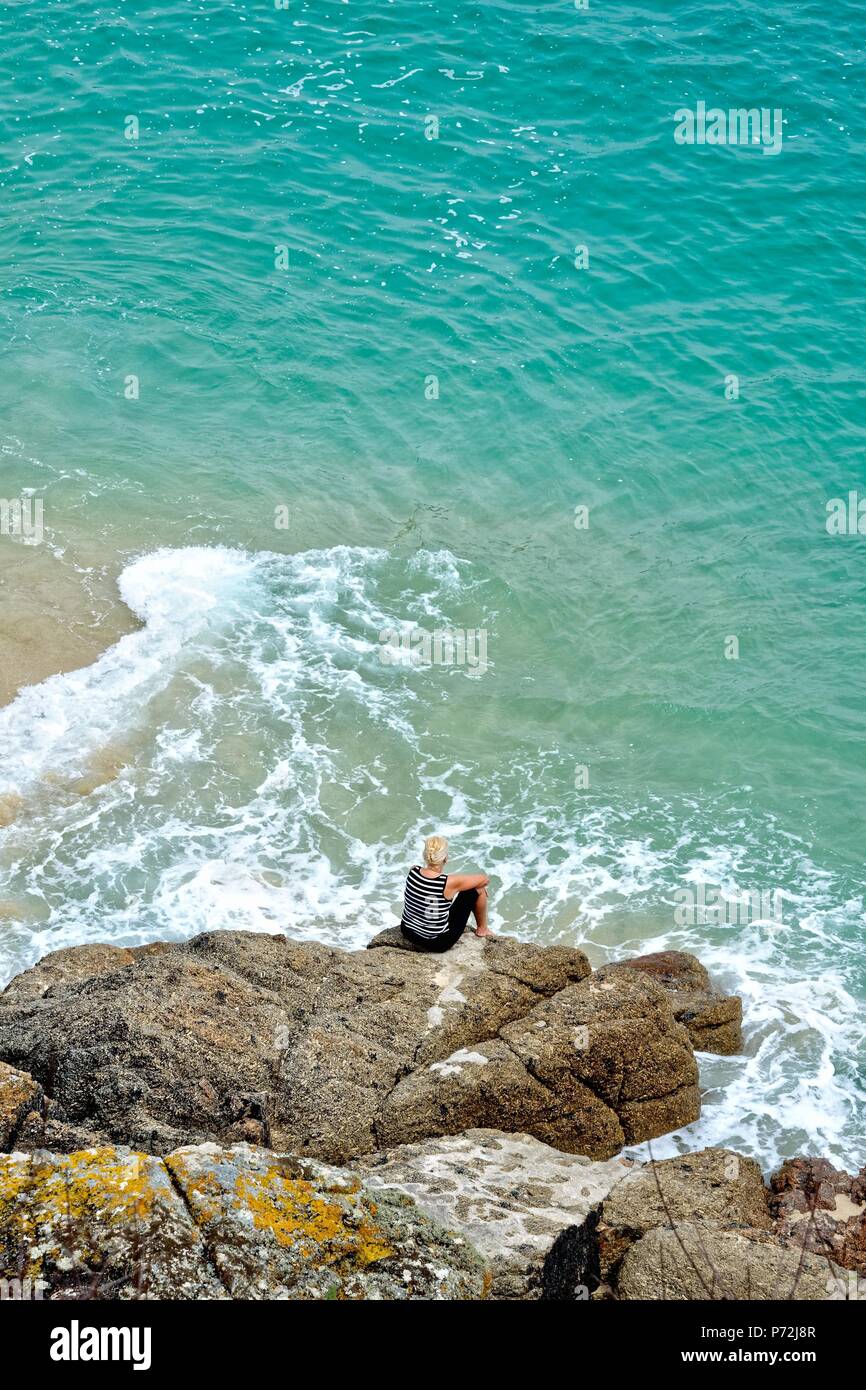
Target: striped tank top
x,y
425,907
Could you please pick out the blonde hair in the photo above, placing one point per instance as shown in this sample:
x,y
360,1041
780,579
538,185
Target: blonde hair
x,y
435,851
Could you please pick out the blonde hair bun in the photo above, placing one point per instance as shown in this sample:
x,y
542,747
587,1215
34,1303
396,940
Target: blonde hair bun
x,y
435,851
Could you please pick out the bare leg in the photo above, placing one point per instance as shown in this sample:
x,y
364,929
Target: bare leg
x,y
479,912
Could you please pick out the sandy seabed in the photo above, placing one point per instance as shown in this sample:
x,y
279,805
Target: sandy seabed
x,y
53,618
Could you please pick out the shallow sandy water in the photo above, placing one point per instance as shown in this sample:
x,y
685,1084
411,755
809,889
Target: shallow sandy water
x,y
52,619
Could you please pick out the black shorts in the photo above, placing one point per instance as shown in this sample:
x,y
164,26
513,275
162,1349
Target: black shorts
x,y
458,917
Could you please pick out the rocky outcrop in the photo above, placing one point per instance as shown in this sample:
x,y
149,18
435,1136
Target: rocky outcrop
x,y
704,1226
714,1020
525,1207
553,1226
476,1215
243,1116
206,1223
74,964
818,1208
697,1261
714,1187
595,1066
295,1046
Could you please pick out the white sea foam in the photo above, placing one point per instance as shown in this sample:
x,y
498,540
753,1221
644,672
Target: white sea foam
x,y
53,727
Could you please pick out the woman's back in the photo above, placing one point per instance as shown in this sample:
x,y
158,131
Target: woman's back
x,y
425,907
432,921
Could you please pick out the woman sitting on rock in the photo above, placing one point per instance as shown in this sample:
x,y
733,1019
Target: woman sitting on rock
x,y
436,905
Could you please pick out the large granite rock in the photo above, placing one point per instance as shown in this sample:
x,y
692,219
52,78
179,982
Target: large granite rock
x,y
235,1036
701,1226
207,1223
699,1261
73,964
526,1207
593,1067
819,1208
714,1020
714,1187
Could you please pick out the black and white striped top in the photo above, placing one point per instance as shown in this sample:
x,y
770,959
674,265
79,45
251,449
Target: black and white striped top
x,y
425,907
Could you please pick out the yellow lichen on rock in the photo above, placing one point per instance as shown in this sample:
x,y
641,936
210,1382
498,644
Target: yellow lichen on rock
x,y
202,1191
104,1222
51,1210
16,1222
292,1211
280,1226
207,1222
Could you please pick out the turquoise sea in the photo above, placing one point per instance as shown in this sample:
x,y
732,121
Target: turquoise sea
x,y
246,280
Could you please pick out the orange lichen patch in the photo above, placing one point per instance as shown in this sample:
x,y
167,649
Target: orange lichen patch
x,y
64,1208
296,1215
203,1193
323,1222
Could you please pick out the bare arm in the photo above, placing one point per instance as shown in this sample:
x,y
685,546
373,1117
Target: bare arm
x,y
456,883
